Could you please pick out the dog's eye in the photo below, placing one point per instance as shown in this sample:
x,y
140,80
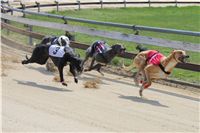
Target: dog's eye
x,y
180,53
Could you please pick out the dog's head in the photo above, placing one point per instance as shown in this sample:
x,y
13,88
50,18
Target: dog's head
x,y
180,56
63,41
119,49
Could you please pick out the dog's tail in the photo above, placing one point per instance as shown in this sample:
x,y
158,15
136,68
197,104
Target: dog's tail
x,y
25,61
141,48
127,68
27,57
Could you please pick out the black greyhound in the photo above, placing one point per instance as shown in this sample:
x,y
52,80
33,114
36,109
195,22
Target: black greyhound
x,y
104,57
60,56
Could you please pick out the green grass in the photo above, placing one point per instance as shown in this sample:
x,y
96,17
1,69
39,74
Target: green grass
x,y
183,18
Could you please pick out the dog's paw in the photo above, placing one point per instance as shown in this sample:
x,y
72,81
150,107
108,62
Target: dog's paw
x,y
24,62
75,80
63,83
136,82
140,93
85,70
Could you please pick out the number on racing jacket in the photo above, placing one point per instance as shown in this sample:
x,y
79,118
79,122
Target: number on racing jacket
x,y
56,50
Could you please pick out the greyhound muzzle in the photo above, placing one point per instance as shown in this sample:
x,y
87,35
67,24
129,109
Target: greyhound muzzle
x,y
183,58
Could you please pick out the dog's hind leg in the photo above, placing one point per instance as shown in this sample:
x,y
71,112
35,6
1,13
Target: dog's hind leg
x,y
136,78
99,69
91,65
141,90
74,73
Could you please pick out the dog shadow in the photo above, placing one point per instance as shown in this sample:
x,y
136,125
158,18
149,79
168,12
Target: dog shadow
x,y
46,87
111,80
41,70
84,78
150,89
142,100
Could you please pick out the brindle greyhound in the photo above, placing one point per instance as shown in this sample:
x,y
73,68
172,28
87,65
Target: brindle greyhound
x,y
103,58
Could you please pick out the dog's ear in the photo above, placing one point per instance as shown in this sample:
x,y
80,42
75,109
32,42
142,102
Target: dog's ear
x,y
173,51
61,39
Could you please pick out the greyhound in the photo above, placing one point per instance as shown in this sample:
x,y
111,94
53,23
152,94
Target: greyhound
x,y
100,52
153,65
60,56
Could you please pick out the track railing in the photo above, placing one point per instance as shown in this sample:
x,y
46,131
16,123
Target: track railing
x,y
127,55
126,26
107,34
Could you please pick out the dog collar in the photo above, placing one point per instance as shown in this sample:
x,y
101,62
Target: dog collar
x,y
163,69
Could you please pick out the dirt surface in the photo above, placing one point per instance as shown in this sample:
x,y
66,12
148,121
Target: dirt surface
x,y
32,101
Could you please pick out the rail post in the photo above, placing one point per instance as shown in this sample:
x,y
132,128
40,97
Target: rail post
x,y
8,3
149,3
5,20
101,1
67,33
7,31
3,10
2,20
124,3
79,4
176,5
30,28
137,32
38,5
57,5
11,12
23,8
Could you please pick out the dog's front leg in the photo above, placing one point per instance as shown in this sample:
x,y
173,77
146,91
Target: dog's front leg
x,y
74,72
98,68
136,78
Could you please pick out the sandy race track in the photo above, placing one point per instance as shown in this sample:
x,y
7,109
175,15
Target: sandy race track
x,y
32,102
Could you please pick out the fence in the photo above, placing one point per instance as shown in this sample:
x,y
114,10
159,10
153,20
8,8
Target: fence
x,y
107,34
127,55
101,3
132,27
